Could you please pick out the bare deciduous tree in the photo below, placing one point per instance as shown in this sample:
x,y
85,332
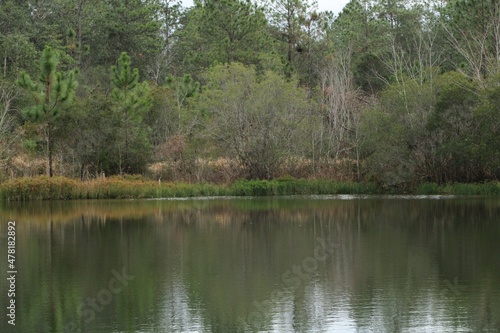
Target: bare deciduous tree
x,y
478,43
7,136
340,104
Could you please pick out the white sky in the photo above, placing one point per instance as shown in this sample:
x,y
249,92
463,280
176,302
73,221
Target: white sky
x,y
333,5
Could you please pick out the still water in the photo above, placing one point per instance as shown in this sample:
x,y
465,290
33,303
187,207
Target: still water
x,y
297,264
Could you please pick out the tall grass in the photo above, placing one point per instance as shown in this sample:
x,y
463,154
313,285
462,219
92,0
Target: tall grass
x,y
40,188
489,188
61,188
291,186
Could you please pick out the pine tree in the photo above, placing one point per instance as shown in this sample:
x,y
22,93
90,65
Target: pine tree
x,y
51,93
132,100
289,20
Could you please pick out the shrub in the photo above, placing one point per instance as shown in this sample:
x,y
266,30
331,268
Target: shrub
x,y
428,188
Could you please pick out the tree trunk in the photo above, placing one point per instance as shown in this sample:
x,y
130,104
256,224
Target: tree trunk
x,y
49,148
79,32
82,171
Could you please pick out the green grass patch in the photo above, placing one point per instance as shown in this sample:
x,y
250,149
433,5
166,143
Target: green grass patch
x,y
489,188
291,186
428,189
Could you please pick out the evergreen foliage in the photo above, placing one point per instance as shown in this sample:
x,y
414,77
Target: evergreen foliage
x,y
401,93
50,94
132,101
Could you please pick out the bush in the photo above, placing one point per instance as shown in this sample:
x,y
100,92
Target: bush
x,y
428,189
45,188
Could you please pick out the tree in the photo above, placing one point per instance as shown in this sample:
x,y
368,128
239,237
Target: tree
x,y
288,18
16,49
222,31
7,120
466,121
473,28
132,101
184,89
358,29
171,14
485,150
341,108
50,93
452,124
255,120
172,113
397,146
131,26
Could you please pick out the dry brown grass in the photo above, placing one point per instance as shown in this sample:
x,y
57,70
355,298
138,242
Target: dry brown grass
x,y
177,168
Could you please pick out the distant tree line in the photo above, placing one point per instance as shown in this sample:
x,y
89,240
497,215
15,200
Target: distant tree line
x,y
394,91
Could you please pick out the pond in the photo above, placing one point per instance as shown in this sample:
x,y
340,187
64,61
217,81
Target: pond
x,y
289,264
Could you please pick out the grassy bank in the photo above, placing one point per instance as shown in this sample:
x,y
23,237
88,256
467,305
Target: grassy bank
x,y
45,188
489,188
61,188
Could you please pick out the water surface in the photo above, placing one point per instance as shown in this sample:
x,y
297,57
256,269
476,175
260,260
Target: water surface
x,y
297,264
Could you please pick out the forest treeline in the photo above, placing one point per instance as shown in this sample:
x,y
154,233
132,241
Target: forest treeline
x,y
397,92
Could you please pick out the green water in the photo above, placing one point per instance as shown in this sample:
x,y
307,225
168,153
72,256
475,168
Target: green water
x,y
310,264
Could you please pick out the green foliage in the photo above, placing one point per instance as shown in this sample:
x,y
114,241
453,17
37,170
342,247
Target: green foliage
x,y
125,26
253,119
91,135
50,94
396,144
466,121
292,25
16,46
18,53
452,123
184,87
223,31
52,89
181,94
428,189
132,186
356,29
132,100
485,142
411,98
131,97
292,186
488,188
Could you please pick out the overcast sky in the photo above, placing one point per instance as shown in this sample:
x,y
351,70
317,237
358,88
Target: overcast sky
x,y
333,5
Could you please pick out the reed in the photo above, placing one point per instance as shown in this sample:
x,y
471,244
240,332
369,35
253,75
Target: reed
x,y
488,188
292,186
122,187
61,188
428,189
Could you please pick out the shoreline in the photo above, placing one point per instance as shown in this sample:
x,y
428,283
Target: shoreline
x,y
135,187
